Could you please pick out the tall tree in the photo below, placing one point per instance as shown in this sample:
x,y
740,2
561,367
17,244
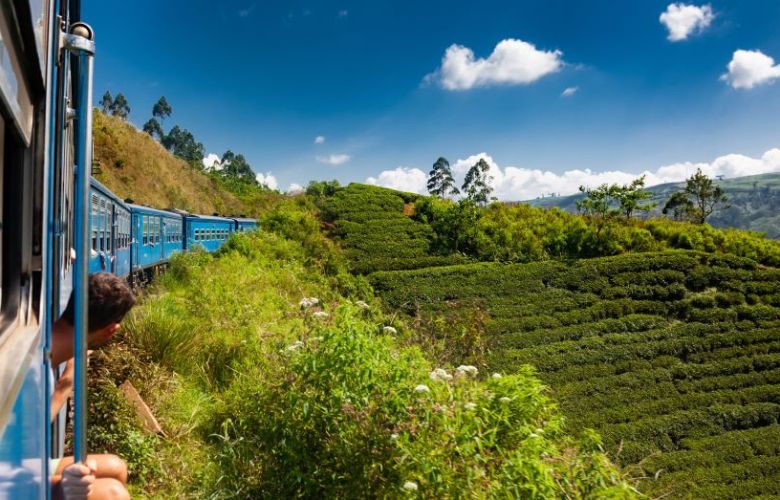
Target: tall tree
x,y
120,107
599,204
153,127
679,207
106,102
440,181
162,109
476,185
706,196
631,196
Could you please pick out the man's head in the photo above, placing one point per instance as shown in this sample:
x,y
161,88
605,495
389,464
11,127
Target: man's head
x,y
110,298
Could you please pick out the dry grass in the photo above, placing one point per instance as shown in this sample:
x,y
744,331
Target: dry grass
x,y
133,165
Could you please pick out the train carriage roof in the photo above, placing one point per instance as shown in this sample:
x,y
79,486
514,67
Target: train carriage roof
x,y
209,218
97,186
140,209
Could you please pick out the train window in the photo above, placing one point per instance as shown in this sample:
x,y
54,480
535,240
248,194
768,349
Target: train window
x,y
109,225
145,229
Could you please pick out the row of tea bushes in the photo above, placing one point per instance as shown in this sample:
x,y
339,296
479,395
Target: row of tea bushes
x,y
655,351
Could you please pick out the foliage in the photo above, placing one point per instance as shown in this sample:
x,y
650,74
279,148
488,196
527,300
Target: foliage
x,y
153,128
370,223
235,166
106,101
440,181
162,109
181,143
656,351
706,196
119,107
265,397
476,184
322,189
679,206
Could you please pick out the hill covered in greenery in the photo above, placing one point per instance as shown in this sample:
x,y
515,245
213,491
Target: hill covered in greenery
x,y
134,165
275,374
754,203
661,335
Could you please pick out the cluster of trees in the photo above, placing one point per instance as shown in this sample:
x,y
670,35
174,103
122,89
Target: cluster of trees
x,y
476,186
115,106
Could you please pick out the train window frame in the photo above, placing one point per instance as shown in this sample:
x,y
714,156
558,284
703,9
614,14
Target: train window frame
x,y
110,225
145,230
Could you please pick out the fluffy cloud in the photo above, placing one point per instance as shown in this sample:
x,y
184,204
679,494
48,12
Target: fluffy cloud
x,y
569,91
684,20
212,162
517,183
334,159
320,139
513,62
402,178
266,180
295,189
749,68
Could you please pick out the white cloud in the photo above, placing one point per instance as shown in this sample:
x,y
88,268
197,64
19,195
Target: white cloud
x,y
569,91
337,159
402,178
212,162
320,139
518,183
749,68
513,62
295,189
267,180
684,20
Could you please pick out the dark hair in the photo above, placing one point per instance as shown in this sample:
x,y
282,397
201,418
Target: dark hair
x,y
110,298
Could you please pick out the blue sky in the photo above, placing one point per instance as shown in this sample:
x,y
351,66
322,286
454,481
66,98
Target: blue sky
x,y
383,84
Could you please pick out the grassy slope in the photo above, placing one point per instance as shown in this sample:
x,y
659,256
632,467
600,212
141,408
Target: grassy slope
x,y
261,398
754,202
133,165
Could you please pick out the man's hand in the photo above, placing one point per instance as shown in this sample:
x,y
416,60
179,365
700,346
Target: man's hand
x,y
65,382
77,480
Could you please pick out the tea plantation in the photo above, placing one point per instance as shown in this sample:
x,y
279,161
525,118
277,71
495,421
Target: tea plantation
x,y
673,357
370,224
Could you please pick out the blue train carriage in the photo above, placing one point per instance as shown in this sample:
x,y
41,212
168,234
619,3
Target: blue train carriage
x,y
45,130
110,232
209,232
156,236
244,224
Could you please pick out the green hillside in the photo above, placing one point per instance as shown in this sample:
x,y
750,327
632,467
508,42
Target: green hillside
x,y
754,200
667,345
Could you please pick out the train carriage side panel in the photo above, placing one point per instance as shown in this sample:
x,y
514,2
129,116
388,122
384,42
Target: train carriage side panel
x,y
110,226
245,224
172,235
209,232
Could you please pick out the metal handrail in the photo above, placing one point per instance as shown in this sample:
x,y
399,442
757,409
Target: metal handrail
x,y
79,42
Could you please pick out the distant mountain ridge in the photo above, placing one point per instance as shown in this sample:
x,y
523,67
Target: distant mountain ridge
x,y
754,200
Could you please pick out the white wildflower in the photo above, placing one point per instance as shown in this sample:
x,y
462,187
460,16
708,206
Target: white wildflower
x,y
307,302
505,399
389,330
467,369
295,345
361,304
496,375
320,315
470,406
422,388
393,436
440,374
410,486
